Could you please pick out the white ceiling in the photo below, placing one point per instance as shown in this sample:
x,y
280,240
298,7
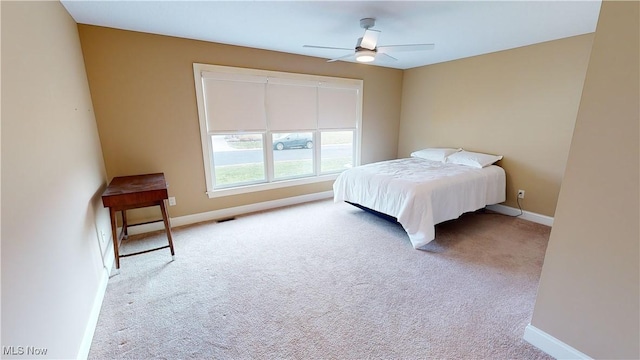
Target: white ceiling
x,y
459,29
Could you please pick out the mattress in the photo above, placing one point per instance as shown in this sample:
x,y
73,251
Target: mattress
x,y
421,193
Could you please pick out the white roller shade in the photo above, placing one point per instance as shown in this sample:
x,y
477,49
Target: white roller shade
x,y
235,105
291,106
337,108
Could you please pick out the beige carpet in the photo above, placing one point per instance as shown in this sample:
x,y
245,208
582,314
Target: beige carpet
x,y
326,281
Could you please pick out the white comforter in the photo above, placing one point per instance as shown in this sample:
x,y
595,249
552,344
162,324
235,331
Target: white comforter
x,y
421,193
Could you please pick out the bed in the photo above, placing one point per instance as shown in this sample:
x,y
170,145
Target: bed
x,y
421,192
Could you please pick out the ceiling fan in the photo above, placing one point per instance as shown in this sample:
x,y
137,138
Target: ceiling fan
x,y
367,49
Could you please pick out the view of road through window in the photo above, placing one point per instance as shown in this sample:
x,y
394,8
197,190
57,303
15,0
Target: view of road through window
x,y
239,159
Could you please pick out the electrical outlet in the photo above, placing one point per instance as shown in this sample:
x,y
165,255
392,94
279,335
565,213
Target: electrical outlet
x,y
520,194
172,201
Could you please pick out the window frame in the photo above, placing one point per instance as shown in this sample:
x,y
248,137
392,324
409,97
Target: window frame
x,y
270,182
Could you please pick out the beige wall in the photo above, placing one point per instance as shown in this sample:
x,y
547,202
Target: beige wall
x,y
52,178
589,290
143,91
520,103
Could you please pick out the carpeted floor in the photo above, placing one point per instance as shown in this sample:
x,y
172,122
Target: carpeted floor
x,y
326,281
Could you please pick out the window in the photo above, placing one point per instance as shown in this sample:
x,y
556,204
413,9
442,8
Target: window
x,y
262,129
238,159
291,164
336,150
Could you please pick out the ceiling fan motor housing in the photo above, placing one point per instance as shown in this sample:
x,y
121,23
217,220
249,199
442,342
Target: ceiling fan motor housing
x,y
360,48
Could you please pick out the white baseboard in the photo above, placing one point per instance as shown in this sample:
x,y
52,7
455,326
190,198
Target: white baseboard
x,y
526,215
551,345
245,209
229,212
92,323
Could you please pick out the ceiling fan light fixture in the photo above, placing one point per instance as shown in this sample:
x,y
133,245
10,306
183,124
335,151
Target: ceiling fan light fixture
x,y
364,55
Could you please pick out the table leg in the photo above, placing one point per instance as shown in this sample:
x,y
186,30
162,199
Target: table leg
x,y
124,224
114,234
167,226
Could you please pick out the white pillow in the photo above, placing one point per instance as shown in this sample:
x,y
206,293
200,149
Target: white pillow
x,y
434,154
474,159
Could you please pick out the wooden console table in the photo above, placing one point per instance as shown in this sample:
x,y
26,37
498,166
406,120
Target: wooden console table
x,y
132,192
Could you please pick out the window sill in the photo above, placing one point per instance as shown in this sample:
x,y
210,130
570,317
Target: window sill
x,y
271,186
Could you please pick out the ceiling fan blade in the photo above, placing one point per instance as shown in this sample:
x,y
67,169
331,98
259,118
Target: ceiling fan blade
x,y
410,47
326,47
385,57
370,39
346,57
